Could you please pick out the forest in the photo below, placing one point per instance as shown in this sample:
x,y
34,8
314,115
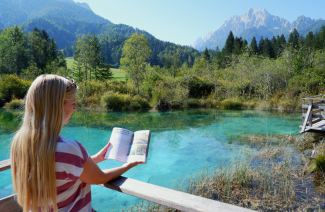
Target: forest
x,y
271,74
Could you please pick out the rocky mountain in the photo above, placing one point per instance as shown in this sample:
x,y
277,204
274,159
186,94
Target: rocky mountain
x,y
18,11
83,4
255,22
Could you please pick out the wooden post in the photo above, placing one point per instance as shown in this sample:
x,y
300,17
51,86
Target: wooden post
x,y
310,117
303,111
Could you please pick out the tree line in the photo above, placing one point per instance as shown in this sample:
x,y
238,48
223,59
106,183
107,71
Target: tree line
x,y
28,55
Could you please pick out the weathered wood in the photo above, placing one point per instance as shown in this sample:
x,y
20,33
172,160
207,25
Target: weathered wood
x,y
168,197
315,116
9,204
4,165
314,121
306,119
322,107
310,118
317,111
313,96
319,126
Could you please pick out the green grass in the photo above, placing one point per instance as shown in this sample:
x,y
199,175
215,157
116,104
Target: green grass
x,y
118,74
70,61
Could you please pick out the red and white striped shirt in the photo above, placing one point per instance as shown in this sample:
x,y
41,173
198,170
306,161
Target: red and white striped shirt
x,y
72,194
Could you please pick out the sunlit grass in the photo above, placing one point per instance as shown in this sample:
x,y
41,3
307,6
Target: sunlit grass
x,y
70,61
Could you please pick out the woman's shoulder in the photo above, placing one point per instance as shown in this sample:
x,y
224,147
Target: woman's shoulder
x,y
71,146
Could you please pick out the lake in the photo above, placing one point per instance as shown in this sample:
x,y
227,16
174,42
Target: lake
x,y
183,142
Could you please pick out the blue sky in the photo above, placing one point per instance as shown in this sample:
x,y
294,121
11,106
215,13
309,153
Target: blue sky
x,y
183,21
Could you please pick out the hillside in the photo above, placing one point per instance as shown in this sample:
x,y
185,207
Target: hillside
x,y
18,11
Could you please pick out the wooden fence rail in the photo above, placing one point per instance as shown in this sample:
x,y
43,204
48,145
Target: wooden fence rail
x,y
157,194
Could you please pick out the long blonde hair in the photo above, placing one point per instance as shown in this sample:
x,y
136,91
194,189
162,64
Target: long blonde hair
x,y
33,148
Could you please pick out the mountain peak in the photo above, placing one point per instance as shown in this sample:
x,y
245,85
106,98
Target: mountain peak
x,y
253,18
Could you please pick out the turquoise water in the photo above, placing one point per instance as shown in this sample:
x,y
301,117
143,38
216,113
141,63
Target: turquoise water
x,y
182,142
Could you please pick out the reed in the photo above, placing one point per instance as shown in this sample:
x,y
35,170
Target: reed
x,y
274,178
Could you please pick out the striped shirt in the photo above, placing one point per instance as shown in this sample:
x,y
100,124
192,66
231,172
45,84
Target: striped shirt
x,y
72,194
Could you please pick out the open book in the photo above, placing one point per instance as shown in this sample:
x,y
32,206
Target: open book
x,y
127,146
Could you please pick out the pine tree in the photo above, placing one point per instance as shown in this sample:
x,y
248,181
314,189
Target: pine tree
x,y
238,43
253,47
206,55
294,39
261,45
309,41
229,47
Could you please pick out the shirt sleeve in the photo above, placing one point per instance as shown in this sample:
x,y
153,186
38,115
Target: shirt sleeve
x,y
69,160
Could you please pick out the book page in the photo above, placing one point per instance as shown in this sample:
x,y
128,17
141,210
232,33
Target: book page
x,y
120,144
139,146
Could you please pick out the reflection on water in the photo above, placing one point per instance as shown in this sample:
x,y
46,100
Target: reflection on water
x,y
182,142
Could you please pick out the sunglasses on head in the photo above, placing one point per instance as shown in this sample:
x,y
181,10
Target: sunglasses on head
x,y
72,84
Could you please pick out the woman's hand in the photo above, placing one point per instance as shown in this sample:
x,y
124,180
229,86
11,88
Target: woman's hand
x,y
99,157
133,164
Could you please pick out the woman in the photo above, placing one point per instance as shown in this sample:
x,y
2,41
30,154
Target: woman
x,y
52,173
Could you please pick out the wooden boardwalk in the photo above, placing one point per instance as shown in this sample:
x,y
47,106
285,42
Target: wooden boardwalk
x,y
313,115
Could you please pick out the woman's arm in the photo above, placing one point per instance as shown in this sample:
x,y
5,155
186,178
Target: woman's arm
x,y
92,174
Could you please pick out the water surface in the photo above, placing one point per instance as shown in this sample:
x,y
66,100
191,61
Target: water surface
x,y
182,143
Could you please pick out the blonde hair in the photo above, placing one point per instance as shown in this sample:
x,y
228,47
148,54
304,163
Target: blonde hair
x,y
33,147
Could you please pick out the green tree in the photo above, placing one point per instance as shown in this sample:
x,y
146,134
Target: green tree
x,y
229,47
88,57
261,45
135,53
253,46
294,39
14,50
206,55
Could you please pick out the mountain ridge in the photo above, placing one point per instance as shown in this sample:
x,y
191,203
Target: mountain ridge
x,y
257,21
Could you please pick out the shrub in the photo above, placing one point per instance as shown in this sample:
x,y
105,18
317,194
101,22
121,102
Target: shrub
x,y
231,103
168,95
12,86
113,101
117,101
192,103
139,103
15,104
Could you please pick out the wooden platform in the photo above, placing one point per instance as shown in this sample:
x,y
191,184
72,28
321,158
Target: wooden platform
x,y
318,126
313,114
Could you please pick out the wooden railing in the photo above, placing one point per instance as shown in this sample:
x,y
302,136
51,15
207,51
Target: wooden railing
x,y
312,119
157,194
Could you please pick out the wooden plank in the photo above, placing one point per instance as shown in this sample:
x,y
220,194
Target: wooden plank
x,y
306,119
168,197
313,96
317,111
310,118
319,126
314,116
314,121
4,165
314,107
9,204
